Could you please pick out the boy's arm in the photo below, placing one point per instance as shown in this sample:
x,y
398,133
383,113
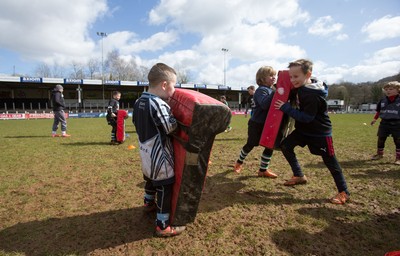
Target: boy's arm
x,y
264,99
111,107
57,99
166,118
378,110
375,118
294,113
109,110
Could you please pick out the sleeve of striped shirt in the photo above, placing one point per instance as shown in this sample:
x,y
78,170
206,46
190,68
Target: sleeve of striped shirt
x,y
164,116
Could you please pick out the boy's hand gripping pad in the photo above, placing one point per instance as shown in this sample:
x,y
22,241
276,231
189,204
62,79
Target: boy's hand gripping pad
x,y
277,124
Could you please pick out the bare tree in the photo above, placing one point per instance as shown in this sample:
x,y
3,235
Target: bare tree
x,y
111,64
121,69
42,70
57,71
77,71
183,76
94,65
134,72
144,71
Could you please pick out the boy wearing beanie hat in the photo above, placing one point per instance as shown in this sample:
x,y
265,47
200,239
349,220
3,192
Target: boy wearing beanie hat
x,y
57,98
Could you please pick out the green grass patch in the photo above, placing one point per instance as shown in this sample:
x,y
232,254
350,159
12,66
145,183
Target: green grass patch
x,y
80,195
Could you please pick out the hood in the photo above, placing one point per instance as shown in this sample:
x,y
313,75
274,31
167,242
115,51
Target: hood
x,y
55,92
318,87
58,87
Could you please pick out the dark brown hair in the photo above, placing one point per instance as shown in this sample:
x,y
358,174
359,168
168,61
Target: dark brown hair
x,y
306,65
160,72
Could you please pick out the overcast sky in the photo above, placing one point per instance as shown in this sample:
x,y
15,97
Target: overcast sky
x,y
356,41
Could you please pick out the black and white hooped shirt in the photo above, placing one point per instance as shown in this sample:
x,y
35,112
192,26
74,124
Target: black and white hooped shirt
x,y
154,121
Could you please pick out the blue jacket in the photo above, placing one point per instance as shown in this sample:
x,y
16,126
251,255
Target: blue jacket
x,y
262,101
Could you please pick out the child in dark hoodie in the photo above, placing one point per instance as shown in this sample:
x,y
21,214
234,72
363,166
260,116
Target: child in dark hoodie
x,y
312,127
57,98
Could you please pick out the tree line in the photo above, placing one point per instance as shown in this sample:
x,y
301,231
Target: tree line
x,y
114,67
355,94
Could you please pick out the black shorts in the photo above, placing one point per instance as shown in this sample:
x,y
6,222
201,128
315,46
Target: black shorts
x,y
389,127
254,132
112,121
321,146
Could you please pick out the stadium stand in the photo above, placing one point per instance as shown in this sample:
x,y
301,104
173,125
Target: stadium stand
x,y
32,94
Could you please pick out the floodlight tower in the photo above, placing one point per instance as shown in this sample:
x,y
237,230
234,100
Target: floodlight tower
x,y
102,35
225,51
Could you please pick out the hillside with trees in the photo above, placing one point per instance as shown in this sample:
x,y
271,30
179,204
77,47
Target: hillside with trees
x,y
355,94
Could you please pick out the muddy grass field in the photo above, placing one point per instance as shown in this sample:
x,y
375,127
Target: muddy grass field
x,y
81,196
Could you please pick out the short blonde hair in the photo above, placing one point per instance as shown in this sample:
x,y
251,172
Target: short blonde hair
x,y
392,84
160,72
263,72
306,65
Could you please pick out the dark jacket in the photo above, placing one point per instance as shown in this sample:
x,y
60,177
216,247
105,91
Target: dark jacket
x,y
312,113
57,98
262,101
113,107
389,110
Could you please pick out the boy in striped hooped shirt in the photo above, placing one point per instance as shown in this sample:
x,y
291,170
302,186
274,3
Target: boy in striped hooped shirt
x,y
154,123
